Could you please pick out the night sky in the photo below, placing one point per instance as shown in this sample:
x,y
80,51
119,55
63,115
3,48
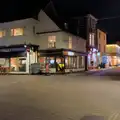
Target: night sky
x,y
69,8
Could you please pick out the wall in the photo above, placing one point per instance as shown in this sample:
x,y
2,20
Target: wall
x,y
27,37
102,40
42,40
112,48
78,44
62,41
46,24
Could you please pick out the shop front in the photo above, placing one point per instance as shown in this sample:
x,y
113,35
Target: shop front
x,y
93,58
18,58
114,59
61,60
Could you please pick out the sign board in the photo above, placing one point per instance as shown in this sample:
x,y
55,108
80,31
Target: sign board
x,y
12,49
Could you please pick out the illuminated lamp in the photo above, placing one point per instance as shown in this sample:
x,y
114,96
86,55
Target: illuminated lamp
x,y
71,53
25,46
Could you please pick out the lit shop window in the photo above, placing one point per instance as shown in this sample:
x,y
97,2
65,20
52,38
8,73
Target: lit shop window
x,y
2,33
52,42
16,31
70,42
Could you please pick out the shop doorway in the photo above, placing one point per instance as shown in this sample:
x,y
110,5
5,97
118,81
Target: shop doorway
x,y
60,64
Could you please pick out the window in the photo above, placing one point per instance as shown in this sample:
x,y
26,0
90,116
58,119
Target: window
x,y
90,39
16,31
99,34
18,64
70,43
2,33
93,39
71,62
52,42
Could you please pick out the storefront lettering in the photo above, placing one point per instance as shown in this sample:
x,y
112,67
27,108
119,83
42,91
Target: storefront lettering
x,y
12,50
71,53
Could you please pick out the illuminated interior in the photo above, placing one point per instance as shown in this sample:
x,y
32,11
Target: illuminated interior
x,y
51,41
2,33
70,43
18,64
17,31
93,58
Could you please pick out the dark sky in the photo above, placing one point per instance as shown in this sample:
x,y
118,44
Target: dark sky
x,y
99,8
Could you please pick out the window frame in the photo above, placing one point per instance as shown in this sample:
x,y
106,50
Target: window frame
x,y
52,41
3,33
12,32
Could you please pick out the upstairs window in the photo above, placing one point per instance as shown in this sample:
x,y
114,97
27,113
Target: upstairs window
x,y
92,39
52,42
2,33
16,31
70,43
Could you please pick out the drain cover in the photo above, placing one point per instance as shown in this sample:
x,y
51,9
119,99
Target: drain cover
x,y
92,118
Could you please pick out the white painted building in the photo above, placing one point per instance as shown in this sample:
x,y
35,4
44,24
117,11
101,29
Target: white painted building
x,y
43,32
52,37
18,32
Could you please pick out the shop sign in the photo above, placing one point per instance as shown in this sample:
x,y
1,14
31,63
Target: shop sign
x,y
12,49
71,53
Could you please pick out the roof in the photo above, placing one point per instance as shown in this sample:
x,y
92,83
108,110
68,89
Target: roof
x,y
52,13
18,22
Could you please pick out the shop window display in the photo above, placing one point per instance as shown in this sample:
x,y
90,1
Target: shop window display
x,y
42,61
51,61
71,62
18,64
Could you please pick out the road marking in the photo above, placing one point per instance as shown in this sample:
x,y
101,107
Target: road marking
x,y
114,116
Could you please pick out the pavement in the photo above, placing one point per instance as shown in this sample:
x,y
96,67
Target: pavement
x,y
61,97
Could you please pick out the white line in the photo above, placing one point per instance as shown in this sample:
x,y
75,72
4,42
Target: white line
x,y
114,116
111,116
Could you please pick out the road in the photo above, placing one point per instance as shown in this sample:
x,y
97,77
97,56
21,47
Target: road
x,y
60,97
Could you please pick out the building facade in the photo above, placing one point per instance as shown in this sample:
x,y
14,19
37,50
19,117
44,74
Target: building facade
x,y
92,42
18,45
29,41
86,28
60,47
113,55
102,41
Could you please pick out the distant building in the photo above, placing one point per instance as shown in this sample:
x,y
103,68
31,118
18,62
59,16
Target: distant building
x,y
28,41
113,54
85,27
102,41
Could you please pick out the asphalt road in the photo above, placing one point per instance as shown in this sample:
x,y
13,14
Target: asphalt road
x,y
67,97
